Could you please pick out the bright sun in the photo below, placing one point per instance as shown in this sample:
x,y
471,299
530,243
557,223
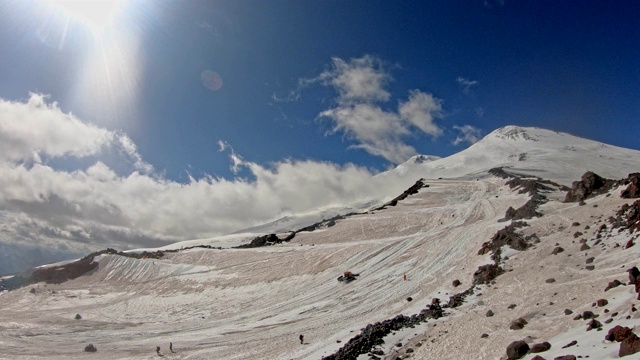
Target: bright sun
x,y
94,14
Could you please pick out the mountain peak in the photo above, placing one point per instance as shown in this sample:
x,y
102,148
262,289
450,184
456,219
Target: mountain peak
x,y
513,132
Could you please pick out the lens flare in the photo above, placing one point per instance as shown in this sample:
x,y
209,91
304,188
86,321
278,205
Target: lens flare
x,y
96,15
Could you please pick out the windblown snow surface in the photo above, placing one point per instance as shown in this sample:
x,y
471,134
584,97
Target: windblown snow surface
x,y
254,303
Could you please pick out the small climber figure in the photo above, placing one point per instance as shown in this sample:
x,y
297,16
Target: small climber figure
x,y
171,347
404,277
301,337
158,350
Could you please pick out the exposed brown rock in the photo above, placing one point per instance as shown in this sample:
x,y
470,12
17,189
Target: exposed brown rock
x,y
540,347
590,185
618,333
630,345
565,357
518,324
633,190
486,273
517,350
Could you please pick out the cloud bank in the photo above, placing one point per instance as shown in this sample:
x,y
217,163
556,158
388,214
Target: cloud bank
x,y
361,85
54,212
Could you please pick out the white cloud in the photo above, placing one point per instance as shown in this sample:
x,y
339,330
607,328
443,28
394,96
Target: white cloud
x,y
420,111
95,207
360,84
468,134
34,129
359,80
466,84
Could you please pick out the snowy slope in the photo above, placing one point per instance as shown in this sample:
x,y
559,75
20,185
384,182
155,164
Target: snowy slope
x,y
551,155
253,303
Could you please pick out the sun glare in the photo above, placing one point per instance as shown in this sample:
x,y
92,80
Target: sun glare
x,y
94,14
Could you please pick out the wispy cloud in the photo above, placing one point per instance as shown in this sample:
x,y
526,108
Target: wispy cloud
x,y
361,86
466,84
468,134
74,211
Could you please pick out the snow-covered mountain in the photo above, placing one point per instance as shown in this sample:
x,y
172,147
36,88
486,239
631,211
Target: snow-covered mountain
x,y
526,150
445,240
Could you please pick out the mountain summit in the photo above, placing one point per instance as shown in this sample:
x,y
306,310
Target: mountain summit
x,y
529,151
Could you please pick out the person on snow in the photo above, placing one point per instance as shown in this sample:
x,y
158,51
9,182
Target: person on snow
x,y
171,347
158,350
301,337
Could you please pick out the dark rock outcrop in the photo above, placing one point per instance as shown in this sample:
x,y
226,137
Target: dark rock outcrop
x,y
591,185
630,216
486,273
410,191
266,240
633,189
506,236
90,348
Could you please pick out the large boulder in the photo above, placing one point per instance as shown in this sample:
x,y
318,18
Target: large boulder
x,y
517,350
630,345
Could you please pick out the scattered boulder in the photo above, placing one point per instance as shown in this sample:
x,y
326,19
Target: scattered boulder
x,y
612,284
585,247
602,302
574,342
550,281
588,315
565,357
489,313
456,283
538,357
90,348
540,347
557,250
517,350
593,324
78,317
518,324
568,312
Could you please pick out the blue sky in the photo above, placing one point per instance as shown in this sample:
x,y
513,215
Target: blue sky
x,y
194,98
